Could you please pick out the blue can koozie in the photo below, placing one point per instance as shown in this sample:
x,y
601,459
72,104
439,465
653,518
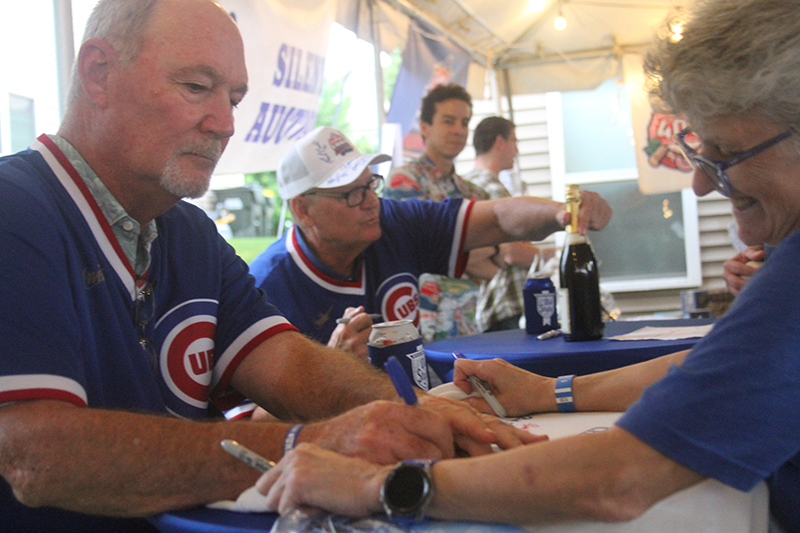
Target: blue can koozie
x,y
401,339
539,295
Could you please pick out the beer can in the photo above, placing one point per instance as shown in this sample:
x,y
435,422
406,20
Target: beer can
x,y
399,338
539,296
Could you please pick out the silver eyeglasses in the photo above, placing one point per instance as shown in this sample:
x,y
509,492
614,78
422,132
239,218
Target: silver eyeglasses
x,y
355,196
713,169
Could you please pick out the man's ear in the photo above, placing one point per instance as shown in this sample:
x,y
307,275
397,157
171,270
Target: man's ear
x,y
300,208
498,142
95,61
423,129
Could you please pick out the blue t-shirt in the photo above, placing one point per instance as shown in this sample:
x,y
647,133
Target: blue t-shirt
x,y
416,237
730,411
68,315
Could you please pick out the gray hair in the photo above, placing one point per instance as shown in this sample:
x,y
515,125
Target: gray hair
x,y
735,56
121,23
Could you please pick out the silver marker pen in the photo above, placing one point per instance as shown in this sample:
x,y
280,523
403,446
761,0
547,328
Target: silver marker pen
x,y
549,334
344,320
246,455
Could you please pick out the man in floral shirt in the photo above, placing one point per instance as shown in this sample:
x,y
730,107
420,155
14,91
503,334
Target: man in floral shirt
x,y
444,123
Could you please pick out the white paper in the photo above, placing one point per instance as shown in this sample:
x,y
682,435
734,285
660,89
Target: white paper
x,y
249,501
664,334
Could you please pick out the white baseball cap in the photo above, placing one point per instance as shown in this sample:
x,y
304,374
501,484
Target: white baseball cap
x,y
323,159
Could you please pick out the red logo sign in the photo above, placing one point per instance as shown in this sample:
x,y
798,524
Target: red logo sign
x,y
662,150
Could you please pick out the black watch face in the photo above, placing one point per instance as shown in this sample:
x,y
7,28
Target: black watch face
x,y
405,491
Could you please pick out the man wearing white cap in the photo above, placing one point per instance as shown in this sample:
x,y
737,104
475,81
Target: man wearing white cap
x,y
351,254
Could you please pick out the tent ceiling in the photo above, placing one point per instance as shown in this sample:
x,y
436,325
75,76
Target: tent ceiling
x,y
509,34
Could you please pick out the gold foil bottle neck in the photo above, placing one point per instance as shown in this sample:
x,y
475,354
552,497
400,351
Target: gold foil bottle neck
x,y
573,199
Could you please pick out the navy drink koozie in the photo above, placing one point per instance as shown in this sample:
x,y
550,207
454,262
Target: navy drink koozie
x,y
539,295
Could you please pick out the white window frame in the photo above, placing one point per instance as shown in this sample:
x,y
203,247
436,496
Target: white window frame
x,y
5,124
560,178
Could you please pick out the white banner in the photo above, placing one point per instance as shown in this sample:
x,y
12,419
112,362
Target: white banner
x,y
661,165
285,43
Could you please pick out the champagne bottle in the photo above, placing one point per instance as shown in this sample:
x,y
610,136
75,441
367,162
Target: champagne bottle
x,y
580,312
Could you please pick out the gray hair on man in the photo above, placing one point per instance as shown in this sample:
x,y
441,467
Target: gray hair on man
x,y
121,23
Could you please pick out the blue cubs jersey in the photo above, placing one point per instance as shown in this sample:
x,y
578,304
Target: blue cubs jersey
x,y
69,319
416,237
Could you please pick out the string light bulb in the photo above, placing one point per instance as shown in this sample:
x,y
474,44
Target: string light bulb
x,y
560,22
677,31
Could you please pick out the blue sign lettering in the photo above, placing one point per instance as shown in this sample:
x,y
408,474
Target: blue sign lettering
x,y
284,123
299,70
280,73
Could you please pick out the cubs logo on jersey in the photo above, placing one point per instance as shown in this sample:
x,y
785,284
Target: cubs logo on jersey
x,y
185,337
399,298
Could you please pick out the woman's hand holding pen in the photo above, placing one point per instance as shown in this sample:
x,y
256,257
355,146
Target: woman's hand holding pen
x,y
519,391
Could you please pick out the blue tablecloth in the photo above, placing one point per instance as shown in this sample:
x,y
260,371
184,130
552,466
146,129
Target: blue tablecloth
x,y
204,520
556,357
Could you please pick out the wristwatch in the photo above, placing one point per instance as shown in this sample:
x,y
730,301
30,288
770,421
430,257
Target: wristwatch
x,y
407,491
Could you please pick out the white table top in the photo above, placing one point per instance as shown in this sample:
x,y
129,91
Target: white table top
x,y
708,506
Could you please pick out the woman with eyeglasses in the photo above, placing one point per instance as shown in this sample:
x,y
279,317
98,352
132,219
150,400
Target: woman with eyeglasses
x,y
728,409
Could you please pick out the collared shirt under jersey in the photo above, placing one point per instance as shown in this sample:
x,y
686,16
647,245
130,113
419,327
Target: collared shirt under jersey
x,y
134,240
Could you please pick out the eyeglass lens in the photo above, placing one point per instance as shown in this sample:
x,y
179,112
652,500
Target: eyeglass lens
x,y
357,196
713,174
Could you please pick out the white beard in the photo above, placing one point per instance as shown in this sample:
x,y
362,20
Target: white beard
x,y
174,182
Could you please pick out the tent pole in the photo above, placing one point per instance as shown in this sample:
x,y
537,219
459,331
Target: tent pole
x,y
65,50
498,107
516,177
376,46
507,83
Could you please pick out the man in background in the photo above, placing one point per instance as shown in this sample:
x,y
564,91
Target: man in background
x,y
444,123
445,114
500,304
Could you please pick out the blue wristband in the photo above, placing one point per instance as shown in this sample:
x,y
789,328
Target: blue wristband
x,y
291,438
564,394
